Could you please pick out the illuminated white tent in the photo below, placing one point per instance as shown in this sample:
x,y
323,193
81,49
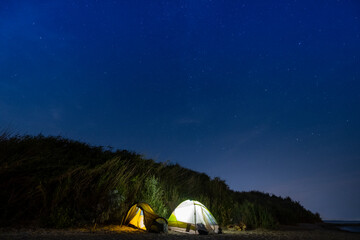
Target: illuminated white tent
x,y
192,217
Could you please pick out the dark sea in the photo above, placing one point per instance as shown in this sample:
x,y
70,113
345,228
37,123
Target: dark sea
x,y
349,226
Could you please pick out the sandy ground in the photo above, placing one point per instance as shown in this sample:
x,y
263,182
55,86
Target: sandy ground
x,y
302,232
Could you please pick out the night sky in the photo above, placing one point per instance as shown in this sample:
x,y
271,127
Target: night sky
x,y
264,94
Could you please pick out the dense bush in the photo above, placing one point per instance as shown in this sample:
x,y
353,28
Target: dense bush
x,y
153,194
256,215
56,182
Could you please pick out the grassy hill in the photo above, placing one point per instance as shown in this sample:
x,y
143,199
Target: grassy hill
x,y
57,182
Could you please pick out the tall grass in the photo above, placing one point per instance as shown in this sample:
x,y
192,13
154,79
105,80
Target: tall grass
x,y
56,182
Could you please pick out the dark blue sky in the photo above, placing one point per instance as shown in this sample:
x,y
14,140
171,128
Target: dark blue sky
x,y
264,94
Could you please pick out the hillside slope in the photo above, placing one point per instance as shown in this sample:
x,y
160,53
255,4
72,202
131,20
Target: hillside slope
x,y
57,182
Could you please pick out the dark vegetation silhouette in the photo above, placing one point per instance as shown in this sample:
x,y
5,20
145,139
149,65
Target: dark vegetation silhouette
x,y
57,182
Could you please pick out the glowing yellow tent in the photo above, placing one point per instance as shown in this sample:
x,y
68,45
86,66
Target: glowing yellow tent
x,y
142,216
193,217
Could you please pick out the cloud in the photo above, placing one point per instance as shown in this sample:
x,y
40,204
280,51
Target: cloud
x,y
56,114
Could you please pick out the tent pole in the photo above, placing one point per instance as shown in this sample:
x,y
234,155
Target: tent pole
x,y
195,216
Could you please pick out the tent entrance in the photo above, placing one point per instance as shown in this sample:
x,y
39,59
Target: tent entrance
x,y
138,220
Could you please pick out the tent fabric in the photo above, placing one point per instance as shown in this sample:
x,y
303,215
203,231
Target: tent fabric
x,y
142,216
192,217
